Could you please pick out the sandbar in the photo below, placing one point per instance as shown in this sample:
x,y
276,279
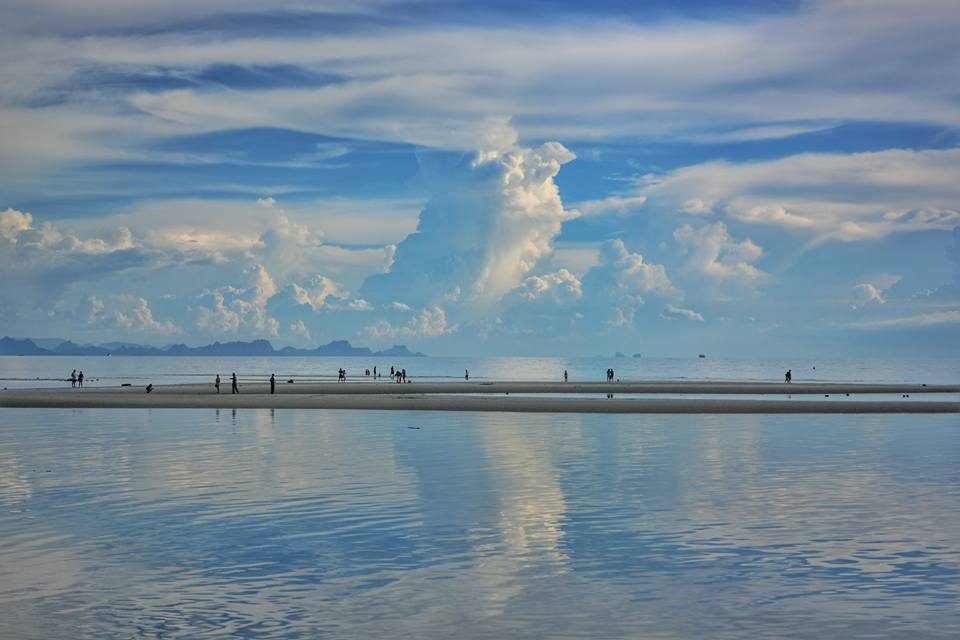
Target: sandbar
x,y
468,397
697,387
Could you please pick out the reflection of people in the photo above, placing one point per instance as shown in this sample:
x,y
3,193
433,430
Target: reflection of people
x,y
788,376
216,383
233,383
273,383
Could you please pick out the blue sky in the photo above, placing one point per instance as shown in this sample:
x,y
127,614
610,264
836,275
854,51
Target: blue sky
x,y
744,178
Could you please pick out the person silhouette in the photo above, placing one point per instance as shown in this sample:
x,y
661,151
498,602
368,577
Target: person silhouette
x,y
73,378
80,379
273,383
564,375
466,374
788,376
216,383
233,384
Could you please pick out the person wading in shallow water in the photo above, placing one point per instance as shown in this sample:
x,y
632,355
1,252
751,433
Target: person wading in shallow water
x,y
73,379
216,383
273,383
233,385
80,379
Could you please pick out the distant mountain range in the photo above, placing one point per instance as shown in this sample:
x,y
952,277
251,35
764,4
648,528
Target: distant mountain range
x,y
53,347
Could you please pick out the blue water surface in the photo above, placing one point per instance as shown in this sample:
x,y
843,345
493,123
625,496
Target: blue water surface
x,y
39,371
364,524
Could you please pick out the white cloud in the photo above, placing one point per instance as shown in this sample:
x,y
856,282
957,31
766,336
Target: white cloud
x,y
712,251
315,292
760,77
496,219
96,310
298,328
128,314
109,15
13,223
618,284
839,197
872,291
244,310
139,317
865,293
617,205
671,312
561,287
430,322
920,320
953,254
696,206
37,263
630,272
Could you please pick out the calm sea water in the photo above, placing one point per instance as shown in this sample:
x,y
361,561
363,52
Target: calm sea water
x,y
51,370
352,524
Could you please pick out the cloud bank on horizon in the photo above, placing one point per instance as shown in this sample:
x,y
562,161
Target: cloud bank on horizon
x,y
666,180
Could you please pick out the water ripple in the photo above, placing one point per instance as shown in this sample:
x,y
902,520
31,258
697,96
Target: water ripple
x,y
169,524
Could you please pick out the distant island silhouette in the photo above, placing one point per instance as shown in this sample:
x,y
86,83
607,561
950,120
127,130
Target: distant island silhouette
x,y
28,347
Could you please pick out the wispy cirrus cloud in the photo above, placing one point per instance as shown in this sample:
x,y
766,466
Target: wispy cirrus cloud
x,y
450,86
919,320
824,197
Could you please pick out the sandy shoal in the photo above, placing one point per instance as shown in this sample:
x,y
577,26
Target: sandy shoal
x,y
439,398
369,387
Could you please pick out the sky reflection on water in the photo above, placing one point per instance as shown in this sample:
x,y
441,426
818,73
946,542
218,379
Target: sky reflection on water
x,y
172,523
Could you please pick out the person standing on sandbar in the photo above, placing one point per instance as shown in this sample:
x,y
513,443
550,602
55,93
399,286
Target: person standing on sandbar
x,y
216,383
233,387
273,383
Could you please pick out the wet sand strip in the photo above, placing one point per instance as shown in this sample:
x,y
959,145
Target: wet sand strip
x,y
369,387
443,402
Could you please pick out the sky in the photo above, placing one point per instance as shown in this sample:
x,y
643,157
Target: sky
x,y
484,178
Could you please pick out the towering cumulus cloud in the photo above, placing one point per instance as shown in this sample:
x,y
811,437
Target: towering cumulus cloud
x,y
483,234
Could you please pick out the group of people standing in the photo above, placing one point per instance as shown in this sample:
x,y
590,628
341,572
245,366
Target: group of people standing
x,y
399,375
233,383
609,375
76,379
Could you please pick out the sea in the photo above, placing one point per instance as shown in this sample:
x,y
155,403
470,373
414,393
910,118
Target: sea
x,y
204,523
45,371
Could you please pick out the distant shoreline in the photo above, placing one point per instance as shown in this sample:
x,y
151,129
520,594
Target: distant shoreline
x,y
255,348
495,396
